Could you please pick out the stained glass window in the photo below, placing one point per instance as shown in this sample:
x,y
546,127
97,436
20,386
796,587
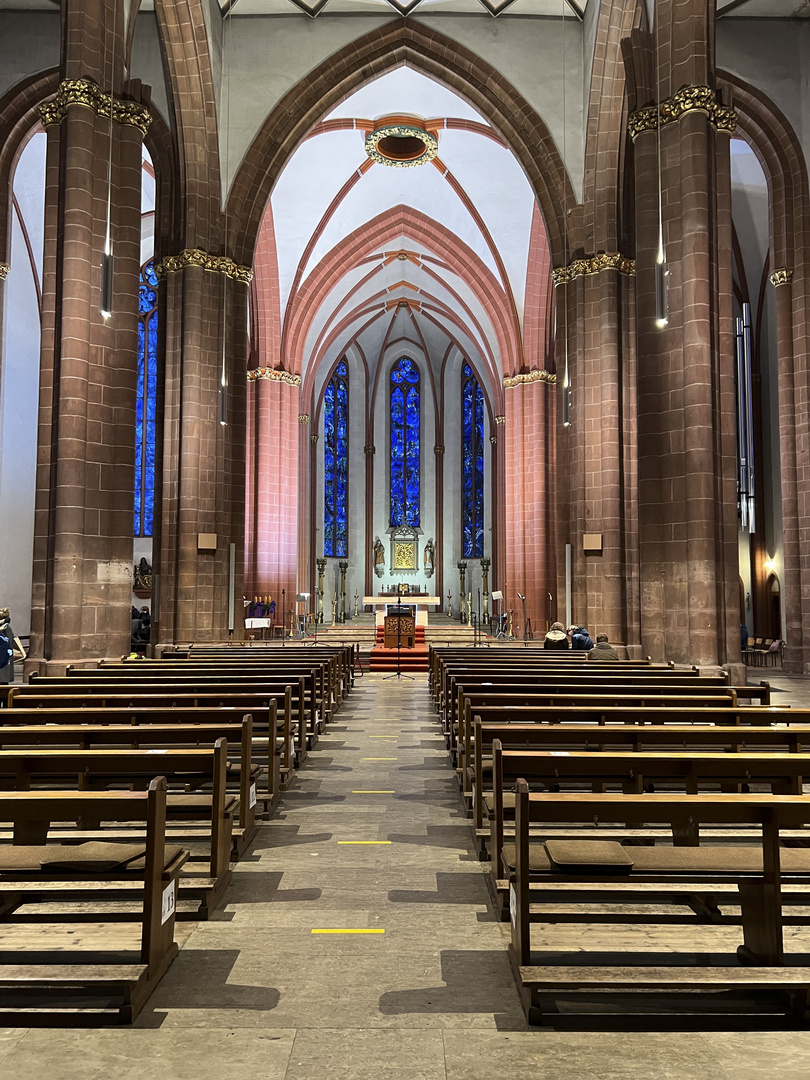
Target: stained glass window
x,y
336,464
472,465
146,403
404,444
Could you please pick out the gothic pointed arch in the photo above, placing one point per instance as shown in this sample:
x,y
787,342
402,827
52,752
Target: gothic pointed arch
x,y
435,55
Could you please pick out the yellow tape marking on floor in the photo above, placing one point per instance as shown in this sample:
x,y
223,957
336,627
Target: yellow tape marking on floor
x,y
348,931
364,841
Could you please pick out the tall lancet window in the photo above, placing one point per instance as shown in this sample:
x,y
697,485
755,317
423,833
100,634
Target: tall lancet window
x,y
472,465
404,444
146,401
336,464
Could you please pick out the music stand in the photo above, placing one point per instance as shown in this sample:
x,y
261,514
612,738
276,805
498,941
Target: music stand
x,y
522,599
398,674
501,635
303,598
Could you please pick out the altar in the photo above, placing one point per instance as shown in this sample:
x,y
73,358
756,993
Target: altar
x,y
418,601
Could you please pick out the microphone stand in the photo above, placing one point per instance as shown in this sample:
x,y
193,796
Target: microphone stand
x,y
283,616
399,674
525,639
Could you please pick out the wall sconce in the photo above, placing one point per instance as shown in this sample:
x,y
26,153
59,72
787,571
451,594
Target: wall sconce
x,y
769,566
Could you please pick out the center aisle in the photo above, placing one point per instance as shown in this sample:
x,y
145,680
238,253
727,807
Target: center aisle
x,y
371,838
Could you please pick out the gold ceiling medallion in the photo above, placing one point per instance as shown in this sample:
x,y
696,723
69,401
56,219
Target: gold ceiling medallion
x,y
213,264
690,99
274,375
401,142
5,270
87,93
594,265
778,277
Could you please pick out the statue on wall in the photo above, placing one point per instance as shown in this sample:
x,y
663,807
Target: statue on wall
x,y
379,556
429,558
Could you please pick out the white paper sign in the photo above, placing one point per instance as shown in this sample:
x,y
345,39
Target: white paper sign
x,y
252,796
560,753
157,751
512,904
168,902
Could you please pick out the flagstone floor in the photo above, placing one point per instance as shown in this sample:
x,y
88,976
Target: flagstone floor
x,y
280,985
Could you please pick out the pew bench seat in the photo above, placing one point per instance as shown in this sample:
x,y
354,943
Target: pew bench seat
x,y
710,986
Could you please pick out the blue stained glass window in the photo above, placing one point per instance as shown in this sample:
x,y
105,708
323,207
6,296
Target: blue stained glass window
x,y
472,465
146,402
405,437
336,464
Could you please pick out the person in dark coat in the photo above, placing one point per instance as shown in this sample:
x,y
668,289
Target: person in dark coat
x,y
556,638
7,670
581,640
603,650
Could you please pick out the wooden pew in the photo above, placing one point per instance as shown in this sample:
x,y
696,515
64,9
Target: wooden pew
x,y
24,770
152,736
632,734
98,712
497,672
704,878
264,706
508,692
341,657
438,655
89,988
508,705
321,679
688,771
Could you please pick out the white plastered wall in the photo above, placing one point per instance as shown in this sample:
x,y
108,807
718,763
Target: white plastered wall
x,y
19,385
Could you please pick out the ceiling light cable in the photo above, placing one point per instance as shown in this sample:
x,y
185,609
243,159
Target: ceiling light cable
x,y
567,392
661,265
105,303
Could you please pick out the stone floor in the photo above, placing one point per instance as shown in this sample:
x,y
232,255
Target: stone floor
x,y
428,995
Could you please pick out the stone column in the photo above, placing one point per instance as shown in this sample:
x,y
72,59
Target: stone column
x,y
204,457
791,546
686,480
85,474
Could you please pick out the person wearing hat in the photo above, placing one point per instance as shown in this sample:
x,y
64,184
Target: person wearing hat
x,y
556,638
8,651
603,650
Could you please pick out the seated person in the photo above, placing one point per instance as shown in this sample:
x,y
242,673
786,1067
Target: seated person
x,y
603,649
556,638
581,640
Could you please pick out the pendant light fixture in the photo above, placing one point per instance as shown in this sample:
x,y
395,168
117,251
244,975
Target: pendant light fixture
x,y
661,265
222,394
105,304
567,392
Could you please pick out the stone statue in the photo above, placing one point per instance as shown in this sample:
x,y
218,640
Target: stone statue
x,y
379,556
429,557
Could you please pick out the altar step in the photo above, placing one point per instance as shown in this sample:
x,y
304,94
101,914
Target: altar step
x,y
415,659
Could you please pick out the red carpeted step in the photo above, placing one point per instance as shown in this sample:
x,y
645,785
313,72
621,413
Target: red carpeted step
x,y
415,659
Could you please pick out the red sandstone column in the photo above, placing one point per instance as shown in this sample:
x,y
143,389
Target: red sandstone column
x,y
528,464
687,530
204,460
83,521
